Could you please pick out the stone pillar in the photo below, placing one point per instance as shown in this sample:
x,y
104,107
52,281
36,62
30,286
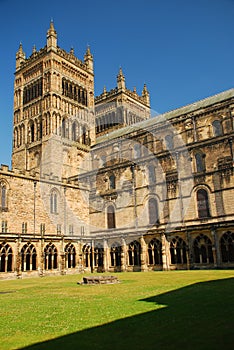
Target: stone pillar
x,y
123,255
215,248
188,251
165,253
143,254
105,256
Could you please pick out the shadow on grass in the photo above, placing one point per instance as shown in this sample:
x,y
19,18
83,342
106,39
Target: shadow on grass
x,y
199,316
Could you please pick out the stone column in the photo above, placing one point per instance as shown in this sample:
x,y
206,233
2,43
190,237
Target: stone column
x,y
215,248
123,255
165,253
143,254
105,256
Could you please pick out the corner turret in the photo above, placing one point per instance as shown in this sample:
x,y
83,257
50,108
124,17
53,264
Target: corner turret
x,y
20,56
121,80
88,58
145,95
51,38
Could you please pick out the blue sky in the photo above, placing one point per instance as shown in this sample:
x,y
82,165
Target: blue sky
x,y
182,49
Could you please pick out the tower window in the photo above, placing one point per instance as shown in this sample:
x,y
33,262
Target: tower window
x,y
203,204
53,202
110,216
217,128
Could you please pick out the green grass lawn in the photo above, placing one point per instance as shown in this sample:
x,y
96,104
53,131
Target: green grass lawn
x,y
151,310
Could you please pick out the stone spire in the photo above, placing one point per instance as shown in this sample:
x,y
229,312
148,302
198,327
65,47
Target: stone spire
x,y
88,58
20,56
145,95
120,80
51,38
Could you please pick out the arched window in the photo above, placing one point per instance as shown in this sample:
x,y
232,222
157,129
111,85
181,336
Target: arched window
x,y
200,162
169,142
153,211
202,248
98,256
28,257
112,182
50,257
217,128
110,216
54,202
63,128
134,251
227,247
155,252
3,194
70,256
5,258
115,254
203,204
178,251
87,255
32,132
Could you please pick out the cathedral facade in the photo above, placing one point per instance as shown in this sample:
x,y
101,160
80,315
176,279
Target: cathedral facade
x,y
101,184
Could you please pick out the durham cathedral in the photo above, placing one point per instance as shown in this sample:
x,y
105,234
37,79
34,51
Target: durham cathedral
x,y
102,184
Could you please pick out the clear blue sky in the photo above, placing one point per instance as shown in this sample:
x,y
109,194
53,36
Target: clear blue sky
x,y
182,49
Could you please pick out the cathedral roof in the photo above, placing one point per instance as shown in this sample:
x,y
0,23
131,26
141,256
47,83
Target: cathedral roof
x,y
185,110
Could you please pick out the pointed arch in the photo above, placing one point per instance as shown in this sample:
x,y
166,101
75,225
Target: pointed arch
x,y
178,251
134,250
70,256
28,257
202,248
50,257
155,252
227,247
6,257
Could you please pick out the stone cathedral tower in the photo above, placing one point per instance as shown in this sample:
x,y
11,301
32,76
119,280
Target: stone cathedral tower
x,y
54,122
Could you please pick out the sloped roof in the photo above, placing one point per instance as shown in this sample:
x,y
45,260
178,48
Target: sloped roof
x,y
225,95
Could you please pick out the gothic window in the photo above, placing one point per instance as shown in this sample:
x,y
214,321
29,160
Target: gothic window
x,y
178,251
155,252
134,250
227,247
98,256
54,202
200,162
5,258
50,257
203,204
112,182
70,256
3,194
87,255
217,128
28,257
24,227
202,248
153,211
169,142
110,217
115,255
63,128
